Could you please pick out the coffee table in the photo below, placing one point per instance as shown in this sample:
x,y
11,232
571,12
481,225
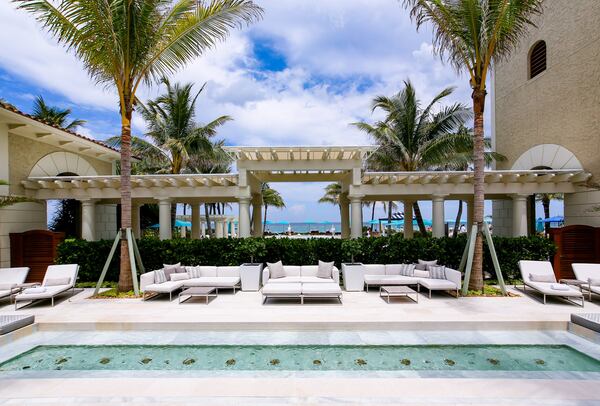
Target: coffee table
x,y
398,291
198,292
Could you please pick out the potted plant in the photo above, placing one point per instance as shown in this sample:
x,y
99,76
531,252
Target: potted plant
x,y
350,249
253,248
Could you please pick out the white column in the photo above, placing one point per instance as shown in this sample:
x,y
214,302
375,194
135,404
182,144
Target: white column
x,y
244,208
4,161
88,220
345,214
135,220
438,216
233,229
356,224
218,227
470,214
408,219
519,223
164,219
203,228
257,216
196,220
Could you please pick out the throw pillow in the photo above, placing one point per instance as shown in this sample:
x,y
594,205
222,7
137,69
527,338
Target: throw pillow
x,y
179,277
276,270
546,278
193,272
594,282
159,276
422,265
420,273
437,271
407,269
559,286
57,281
325,270
171,269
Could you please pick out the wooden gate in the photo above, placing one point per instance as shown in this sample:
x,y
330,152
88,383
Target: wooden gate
x,y
35,249
576,244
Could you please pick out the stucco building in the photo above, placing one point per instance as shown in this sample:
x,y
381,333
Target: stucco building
x,y
546,106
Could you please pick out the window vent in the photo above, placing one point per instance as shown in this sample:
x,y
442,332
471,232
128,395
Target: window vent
x,y
537,59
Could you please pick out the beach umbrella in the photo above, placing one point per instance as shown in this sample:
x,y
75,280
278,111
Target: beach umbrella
x,y
178,223
555,219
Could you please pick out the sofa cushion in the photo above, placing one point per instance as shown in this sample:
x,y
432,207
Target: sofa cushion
x,y
374,269
545,278
293,270
165,287
179,276
418,273
325,270
228,271
422,265
276,270
437,271
321,289
213,281
280,289
438,284
309,270
208,271
393,269
313,279
389,280
288,279
159,276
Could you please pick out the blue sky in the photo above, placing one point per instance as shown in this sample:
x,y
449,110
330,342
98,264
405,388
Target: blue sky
x,y
298,77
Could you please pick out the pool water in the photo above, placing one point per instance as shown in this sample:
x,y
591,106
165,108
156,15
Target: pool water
x,y
303,358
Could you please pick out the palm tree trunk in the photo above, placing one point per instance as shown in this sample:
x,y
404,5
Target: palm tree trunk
x,y
476,282
389,216
265,220
173,215
207,216
546,205
373,211
419,218
125,279
457,221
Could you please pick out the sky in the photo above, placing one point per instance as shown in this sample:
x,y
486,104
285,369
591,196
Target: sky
x,y
299,76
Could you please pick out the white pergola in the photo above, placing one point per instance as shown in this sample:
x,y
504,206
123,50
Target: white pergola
x,y
343,164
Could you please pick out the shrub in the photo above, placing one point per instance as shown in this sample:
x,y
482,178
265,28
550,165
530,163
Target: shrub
x,y
91,255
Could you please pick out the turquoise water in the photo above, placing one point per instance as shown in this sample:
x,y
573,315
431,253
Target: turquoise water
x,y
304,358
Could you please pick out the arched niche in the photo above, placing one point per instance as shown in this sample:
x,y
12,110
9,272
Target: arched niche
x,y
551,156
57,163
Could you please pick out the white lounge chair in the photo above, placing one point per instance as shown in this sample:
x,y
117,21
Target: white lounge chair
x,y
10,281
589,273
58,279
539,276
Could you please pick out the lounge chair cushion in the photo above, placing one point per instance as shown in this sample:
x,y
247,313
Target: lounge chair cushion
x,y
216,281
160,276
546,278
4,293
438,284
321,289
57,281
437,272
594,282
40,289
324,270
48,293
422,265
179,276
559,286
165,287
546,289
7,286
291,289
276,270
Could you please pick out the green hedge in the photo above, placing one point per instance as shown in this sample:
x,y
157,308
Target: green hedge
x,y
383,250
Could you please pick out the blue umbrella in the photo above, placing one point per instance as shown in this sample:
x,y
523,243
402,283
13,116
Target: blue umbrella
x,y
178,223
555,219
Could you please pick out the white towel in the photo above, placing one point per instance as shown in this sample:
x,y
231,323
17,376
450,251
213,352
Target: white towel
x,y
31,291
559,286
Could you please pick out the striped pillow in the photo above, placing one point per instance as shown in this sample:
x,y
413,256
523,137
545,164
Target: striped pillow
x,y
159,276
193,271
407,269
437,271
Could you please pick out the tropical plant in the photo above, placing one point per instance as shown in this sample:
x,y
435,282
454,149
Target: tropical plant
x,y
416,138
272,198
472,35
9,200
333,193
125,44
54,115
545,199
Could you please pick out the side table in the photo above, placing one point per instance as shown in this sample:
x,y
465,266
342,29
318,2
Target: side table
x,y
353,275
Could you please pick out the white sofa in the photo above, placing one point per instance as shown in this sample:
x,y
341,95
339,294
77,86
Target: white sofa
x,y
389,275
10,281
219,277
531,270
52,285
589,273
301,282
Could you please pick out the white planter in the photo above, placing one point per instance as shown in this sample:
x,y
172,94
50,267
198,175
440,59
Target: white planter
x,y
250,275
354,277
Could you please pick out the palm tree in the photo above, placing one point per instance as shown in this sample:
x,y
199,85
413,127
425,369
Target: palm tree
x,y
472,35
270,197
545,199
173,132
54,116
413,138
125,44
333,191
